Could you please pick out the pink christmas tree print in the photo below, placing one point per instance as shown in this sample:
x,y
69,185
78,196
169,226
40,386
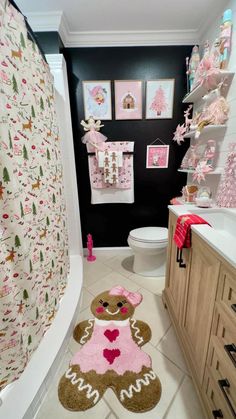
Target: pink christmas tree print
x,y
159,103
226,194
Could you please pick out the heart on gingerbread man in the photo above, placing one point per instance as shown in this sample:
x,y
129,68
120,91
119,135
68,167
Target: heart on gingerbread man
x,y
111,335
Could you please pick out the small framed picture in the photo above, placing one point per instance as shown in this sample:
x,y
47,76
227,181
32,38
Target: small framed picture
x,y
97,99
160,98
157,157
128,99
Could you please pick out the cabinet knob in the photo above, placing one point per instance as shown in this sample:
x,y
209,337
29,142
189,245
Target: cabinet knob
x,y
224,383
233,306
229,349
179,258
217,414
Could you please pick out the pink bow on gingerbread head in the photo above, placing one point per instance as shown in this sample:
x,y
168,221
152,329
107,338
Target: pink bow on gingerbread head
x,y
134,298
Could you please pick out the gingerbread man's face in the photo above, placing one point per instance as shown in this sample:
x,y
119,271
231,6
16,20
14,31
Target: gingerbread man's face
x,y
111,307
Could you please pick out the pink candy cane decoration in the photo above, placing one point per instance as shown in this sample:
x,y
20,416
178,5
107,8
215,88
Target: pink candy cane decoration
x,y
90,257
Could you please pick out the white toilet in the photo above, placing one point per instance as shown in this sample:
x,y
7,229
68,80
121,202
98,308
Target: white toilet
x,y
149,245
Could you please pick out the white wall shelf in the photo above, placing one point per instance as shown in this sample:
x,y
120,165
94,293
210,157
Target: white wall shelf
x,y
213,129
214,172
200,90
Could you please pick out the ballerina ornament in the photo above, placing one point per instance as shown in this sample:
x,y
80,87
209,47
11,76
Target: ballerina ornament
x,y
93,136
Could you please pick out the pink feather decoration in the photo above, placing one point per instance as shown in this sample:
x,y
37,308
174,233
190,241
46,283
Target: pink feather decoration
x,y
206,74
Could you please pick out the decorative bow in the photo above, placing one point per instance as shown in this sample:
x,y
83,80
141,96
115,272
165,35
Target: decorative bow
x,y
134,298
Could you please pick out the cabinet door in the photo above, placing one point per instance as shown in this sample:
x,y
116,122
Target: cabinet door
x,y
176,275
199,303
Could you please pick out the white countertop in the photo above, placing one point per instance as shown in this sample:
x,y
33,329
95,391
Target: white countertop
x,y
224,244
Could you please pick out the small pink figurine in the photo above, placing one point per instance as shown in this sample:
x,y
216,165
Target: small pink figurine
x,y
90,257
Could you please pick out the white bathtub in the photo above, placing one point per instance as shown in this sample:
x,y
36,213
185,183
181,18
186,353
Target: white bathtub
x,y
21,399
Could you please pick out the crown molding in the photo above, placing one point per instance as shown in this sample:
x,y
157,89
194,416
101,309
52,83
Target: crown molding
x,y
45,22
56,21
131,38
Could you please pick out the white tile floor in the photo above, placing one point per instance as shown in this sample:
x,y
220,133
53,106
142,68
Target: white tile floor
x,y
179,399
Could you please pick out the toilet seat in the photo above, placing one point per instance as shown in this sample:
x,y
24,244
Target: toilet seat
x,y
149,235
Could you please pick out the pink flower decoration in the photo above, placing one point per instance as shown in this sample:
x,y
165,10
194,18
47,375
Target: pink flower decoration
x,y
200,171
179,133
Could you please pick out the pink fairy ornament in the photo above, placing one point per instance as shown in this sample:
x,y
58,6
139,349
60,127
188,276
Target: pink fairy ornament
x,y
90,257
92,136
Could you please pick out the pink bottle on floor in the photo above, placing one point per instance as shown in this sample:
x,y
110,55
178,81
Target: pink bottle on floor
x,y
90,257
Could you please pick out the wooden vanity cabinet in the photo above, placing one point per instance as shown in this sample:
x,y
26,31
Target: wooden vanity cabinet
x,y
201,300
200,294
175,274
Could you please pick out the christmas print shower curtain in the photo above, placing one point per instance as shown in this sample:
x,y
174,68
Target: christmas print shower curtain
x,y
33,238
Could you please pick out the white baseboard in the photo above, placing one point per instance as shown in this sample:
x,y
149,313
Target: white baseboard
x,y
107,249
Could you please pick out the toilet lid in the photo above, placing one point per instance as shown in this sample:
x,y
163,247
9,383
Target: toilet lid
x,y
149,234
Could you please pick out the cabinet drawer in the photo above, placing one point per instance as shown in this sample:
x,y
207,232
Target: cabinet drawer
x,y
216,403
224,333
226,294
223,373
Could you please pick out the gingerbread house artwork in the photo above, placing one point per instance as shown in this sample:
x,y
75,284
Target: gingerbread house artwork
x,y
128,101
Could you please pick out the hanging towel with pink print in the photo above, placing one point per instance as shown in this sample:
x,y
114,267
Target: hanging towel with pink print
x,y
125,175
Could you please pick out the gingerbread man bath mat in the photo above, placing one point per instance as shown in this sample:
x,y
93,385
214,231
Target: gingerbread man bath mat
x,y
111,356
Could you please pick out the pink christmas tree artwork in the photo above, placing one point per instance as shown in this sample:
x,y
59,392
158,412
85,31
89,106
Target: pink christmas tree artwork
x,y
159,103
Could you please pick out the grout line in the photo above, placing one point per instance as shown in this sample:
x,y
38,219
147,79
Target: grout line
x,y
108,415
173,398
154,293
174,363
161,339
108,405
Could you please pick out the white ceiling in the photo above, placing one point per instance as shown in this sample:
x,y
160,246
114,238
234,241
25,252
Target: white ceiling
x,y
84,16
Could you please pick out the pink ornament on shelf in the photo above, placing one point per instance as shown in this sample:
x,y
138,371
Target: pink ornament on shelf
x,y
90,257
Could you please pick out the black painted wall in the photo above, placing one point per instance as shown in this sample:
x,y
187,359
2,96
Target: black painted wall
x,y
110,223
50,42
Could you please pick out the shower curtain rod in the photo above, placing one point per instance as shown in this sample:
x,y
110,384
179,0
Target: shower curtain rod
x,y
30,31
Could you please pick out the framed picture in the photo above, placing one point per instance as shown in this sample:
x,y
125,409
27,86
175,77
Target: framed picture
x,y
157,157
97,99
160,98
128,99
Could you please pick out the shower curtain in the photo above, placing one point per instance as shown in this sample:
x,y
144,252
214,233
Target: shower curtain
x,y
33,235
